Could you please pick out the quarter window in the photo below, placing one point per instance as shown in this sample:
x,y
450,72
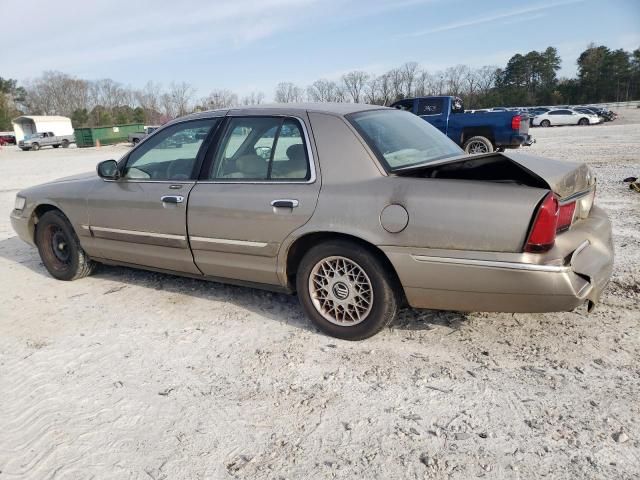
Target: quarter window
x,y
260,149
171,153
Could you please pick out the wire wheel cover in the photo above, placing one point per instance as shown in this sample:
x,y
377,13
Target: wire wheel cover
x,y
341,291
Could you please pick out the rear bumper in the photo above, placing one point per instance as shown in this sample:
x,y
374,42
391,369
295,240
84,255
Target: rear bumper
x,y
575,271
518,141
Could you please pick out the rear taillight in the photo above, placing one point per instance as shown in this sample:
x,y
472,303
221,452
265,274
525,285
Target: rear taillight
x,y
565,216
515,122
543,232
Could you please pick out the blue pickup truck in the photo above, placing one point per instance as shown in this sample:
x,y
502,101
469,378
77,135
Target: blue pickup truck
x,y
480,132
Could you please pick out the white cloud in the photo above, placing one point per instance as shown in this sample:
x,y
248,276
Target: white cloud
x,y
118,30
491,18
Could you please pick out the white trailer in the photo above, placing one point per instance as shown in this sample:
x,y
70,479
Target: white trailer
x,y
32,124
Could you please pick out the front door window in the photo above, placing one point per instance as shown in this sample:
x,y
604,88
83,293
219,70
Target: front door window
x,y
170,154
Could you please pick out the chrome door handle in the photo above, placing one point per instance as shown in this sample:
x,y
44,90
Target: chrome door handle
x,y
172,199
285,203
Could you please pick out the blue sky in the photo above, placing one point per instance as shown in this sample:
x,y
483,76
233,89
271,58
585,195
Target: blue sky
x,y
251,45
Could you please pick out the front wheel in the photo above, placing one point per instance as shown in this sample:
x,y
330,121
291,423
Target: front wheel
x,y
478,145
346,290
60,249
35,147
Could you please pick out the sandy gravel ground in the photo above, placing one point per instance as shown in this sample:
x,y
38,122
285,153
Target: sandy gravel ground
x,y
128,374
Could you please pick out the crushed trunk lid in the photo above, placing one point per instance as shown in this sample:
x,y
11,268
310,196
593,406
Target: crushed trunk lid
x,y
563,178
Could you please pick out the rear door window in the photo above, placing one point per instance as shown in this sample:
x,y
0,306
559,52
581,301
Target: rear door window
x,y
261,149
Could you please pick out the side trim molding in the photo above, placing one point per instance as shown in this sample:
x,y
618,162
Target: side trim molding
x,y
136,236
228,241
493,264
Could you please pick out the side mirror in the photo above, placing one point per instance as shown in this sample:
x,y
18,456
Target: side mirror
x,y
108,169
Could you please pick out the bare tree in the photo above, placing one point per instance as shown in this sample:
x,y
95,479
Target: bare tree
x,y
354,83
57,93
254,98
220,99
486,78
409,72
149,99
454,79
439,84
372,90
287,92
423,84
180,96
396,84
471,81
324,91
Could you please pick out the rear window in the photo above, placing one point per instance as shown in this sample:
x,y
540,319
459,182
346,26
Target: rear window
x,y
401,139
430,106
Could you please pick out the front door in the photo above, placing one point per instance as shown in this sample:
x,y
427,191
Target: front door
x,y
259,187
141,218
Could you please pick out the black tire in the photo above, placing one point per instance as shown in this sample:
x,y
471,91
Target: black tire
x,y
385,292
545,123
136,141
65,144
55,146
35,147
478,144
60,249
583,121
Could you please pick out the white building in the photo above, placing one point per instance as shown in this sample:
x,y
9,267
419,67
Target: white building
x,y
29,124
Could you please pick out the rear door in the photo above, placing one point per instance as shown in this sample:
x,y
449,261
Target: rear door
x,y
258,187
564,117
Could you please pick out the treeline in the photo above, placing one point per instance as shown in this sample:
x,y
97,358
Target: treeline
x,y
603,75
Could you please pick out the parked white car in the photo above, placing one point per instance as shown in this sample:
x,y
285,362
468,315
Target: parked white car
x,y
564,116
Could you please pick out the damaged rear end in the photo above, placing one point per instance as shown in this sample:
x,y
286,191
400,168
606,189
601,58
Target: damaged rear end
x,y
566,257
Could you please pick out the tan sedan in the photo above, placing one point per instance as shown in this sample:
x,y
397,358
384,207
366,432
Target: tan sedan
x,y
360,209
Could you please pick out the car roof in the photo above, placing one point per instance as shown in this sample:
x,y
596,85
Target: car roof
x,y
292,109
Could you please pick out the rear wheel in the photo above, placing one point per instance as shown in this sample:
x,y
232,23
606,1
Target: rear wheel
x,y
545,123
35,147
60,249
478,145
65,143
583,121
136,141
346,290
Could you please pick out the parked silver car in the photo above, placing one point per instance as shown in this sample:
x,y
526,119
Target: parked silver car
x,y
360,209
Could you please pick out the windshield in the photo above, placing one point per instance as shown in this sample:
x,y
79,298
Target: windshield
x,y
402,139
